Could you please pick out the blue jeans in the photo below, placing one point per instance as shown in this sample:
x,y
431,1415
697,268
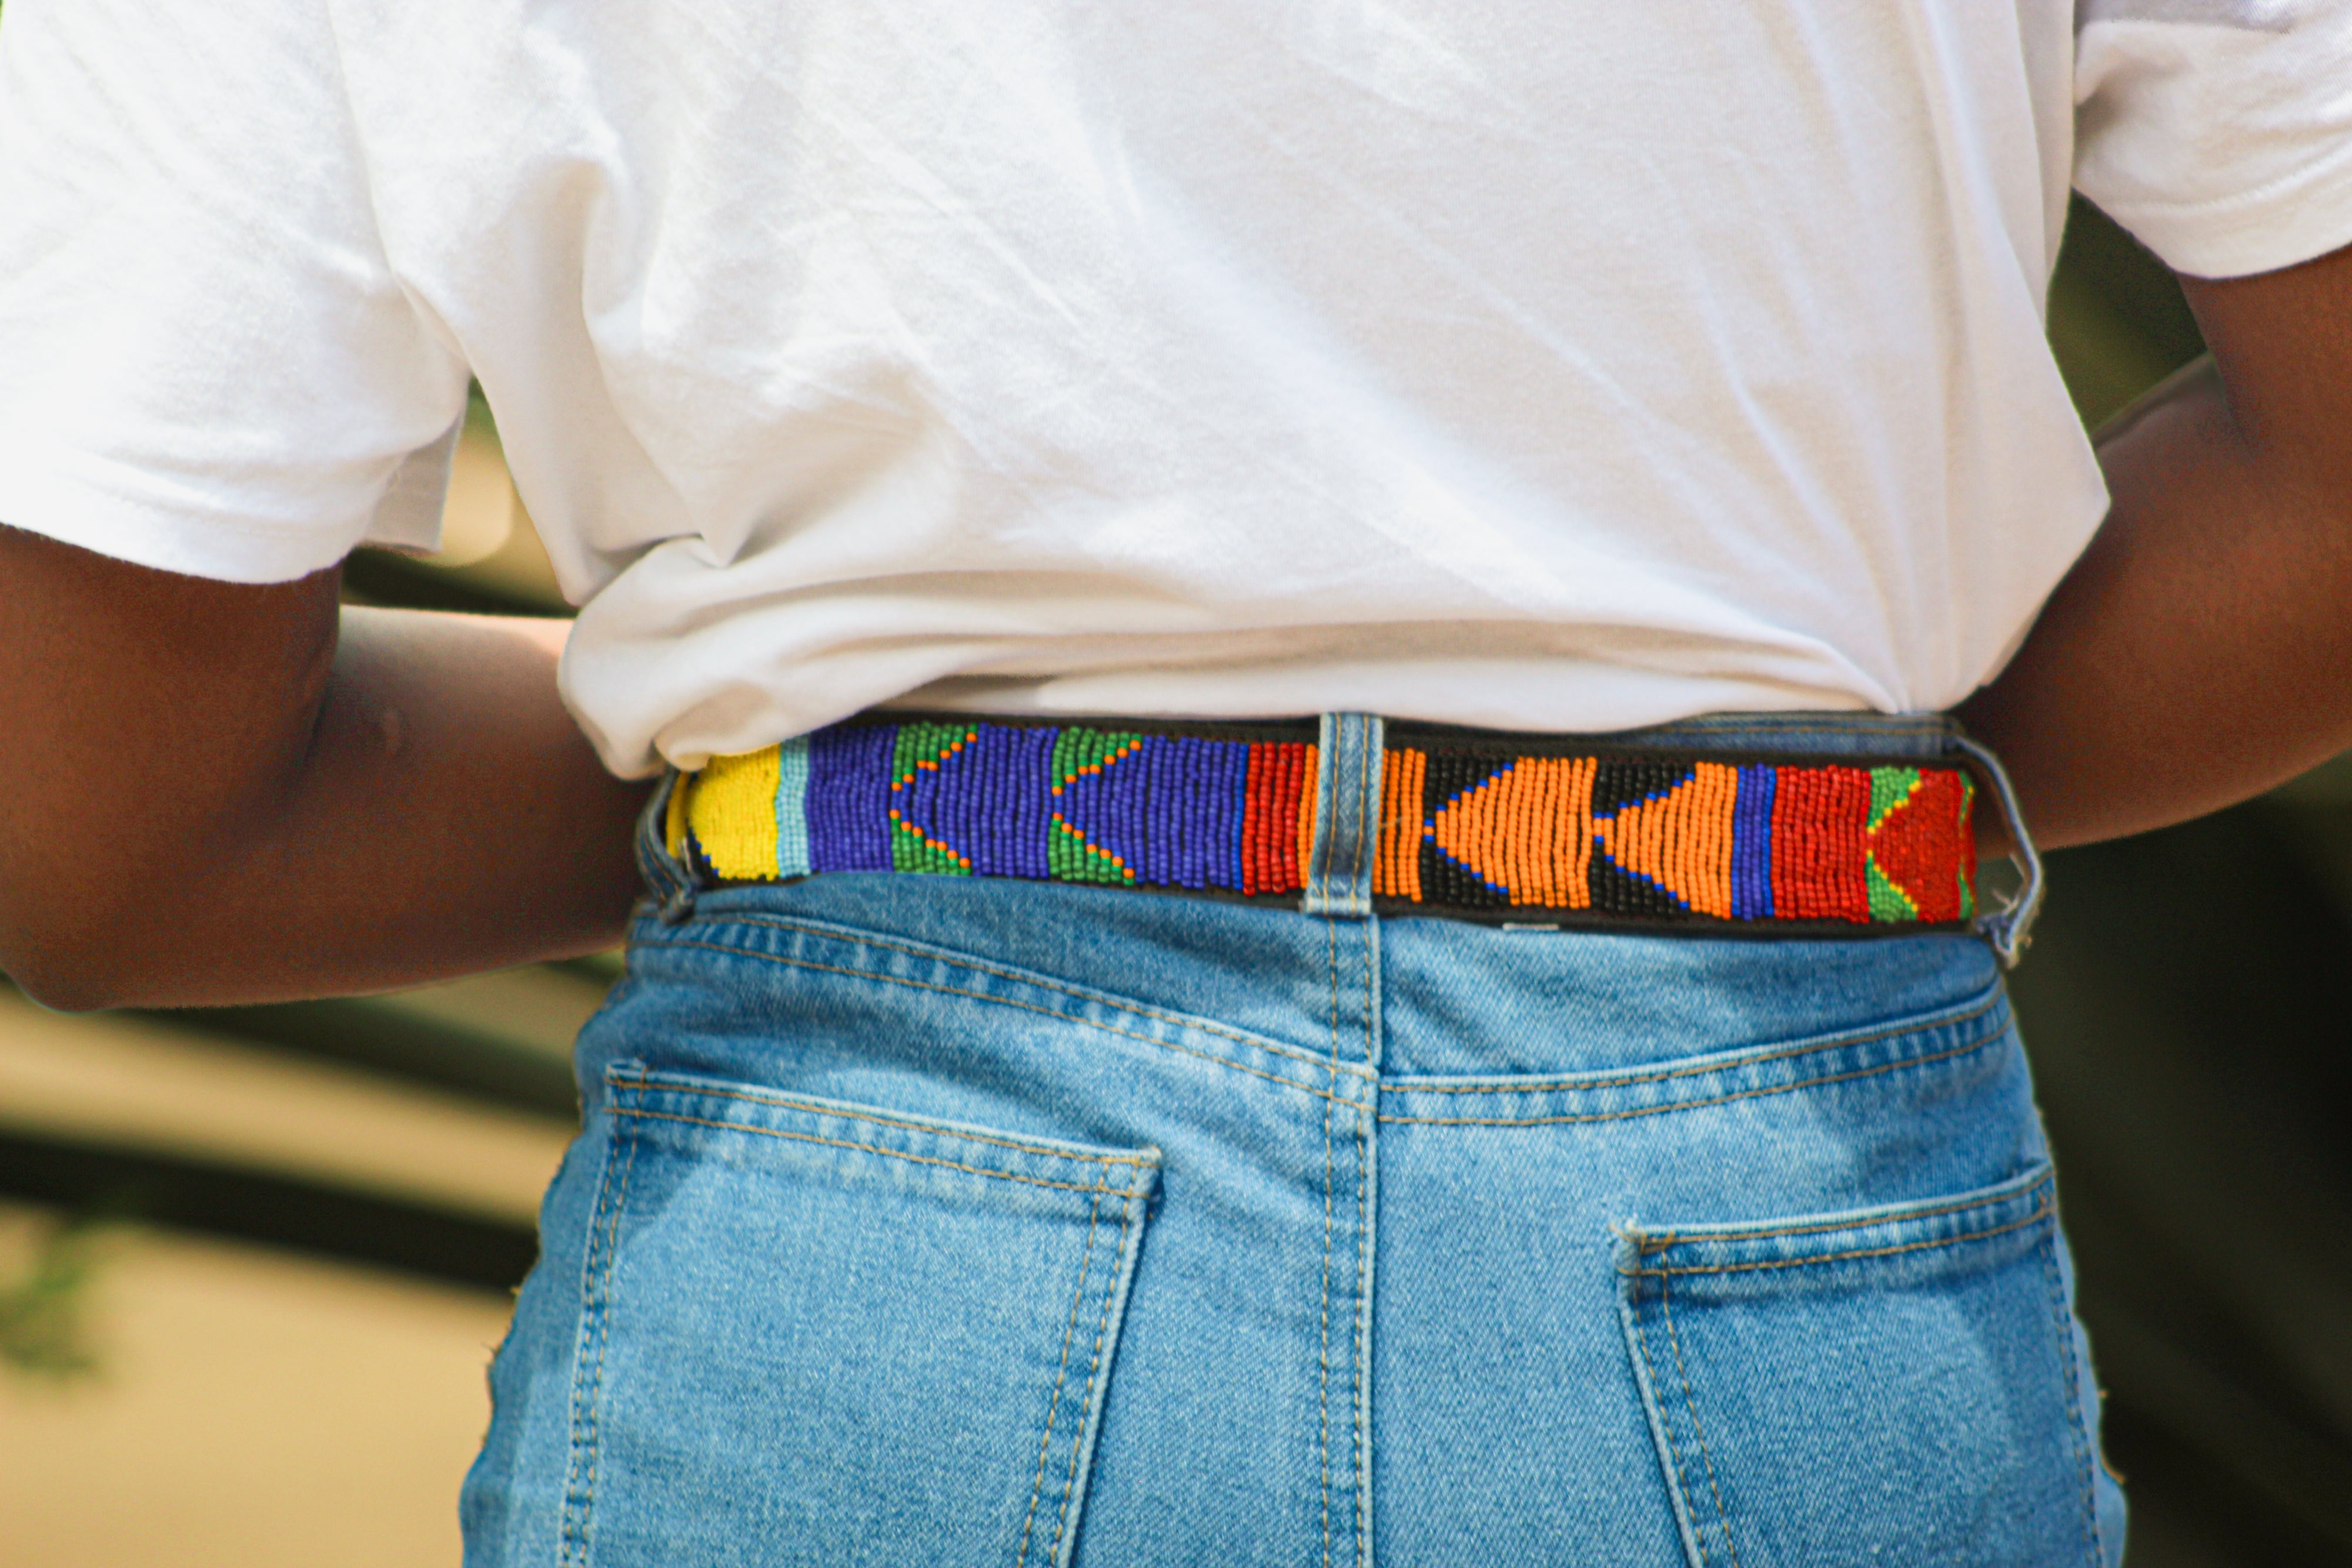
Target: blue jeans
x,y
934,1221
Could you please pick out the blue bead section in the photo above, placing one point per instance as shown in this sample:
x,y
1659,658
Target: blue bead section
x,y
1239,785
791,808
849,797
990,801
1751,843
1172,811
1234,755
1109,808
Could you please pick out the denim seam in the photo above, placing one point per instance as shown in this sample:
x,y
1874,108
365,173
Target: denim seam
x,y
2040,1214
1692,1535
2064,1323
581,1484
1584,1116
1698,1431
1094,1370
1011,1002
1726,1064
959,961
873,1149
1331,938
665,1086
1360,1444
1367,1132
1359,884
1061,1373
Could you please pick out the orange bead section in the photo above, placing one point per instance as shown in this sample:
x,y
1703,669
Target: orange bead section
x,y
1396,871
1681,840
1527,831
1309,802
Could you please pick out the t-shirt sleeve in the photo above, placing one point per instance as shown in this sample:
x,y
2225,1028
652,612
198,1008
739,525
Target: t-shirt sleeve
x,y
2219,131
207,362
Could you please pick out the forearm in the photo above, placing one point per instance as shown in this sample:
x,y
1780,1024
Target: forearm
x,y
2201,650
215,793
447,817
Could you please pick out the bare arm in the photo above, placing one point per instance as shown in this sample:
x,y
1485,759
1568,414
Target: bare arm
x,y
2201,650
216,793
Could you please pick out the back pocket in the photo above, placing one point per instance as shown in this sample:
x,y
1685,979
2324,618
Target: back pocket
x,y
819,1331
1888,1385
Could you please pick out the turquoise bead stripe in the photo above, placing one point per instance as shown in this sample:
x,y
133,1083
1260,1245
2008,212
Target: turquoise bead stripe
x,y
791,808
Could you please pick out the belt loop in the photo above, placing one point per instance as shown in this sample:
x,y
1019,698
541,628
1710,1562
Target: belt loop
x,y
2008,928
671,876
1347,816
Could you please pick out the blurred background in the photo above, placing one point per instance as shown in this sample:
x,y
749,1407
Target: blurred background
x,y
254,1262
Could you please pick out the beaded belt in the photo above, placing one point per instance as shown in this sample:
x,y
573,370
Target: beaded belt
x,y
1483,826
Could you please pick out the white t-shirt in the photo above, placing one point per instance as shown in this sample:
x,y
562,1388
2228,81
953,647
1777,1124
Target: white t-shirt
x,y
1558,365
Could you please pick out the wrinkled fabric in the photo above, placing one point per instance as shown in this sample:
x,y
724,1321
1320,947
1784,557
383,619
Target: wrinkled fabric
x,y
1535,366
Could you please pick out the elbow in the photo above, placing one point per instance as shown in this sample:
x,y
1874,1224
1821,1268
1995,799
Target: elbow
x,y
69,953
61,987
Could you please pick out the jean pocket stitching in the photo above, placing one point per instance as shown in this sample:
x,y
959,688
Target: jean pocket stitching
x,y
1100,1186
1057,1553
1073,1411
622,1077
1061,1374
1827,1224
580,1484
1679,1432
1679,1487
2045,1209
1698,1431
1761,1091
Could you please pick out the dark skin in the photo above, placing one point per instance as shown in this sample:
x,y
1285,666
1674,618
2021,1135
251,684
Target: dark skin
x,y
212,793
215,793
2200,651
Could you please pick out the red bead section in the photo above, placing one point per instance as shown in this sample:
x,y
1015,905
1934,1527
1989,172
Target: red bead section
x,y
1926,847
1271,794
1821,826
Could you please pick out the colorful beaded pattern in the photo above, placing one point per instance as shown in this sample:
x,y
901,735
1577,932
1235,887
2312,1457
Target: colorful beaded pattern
x,y
1463,831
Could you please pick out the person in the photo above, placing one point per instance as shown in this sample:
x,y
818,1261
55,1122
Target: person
x,y
1069,1102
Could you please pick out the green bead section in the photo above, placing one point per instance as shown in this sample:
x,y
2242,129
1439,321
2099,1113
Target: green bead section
x,y
1967,819
1078,748
1069,857
1889,788
1888,903
910,850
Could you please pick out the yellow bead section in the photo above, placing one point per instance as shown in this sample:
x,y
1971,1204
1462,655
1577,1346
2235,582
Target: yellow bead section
x,y
733,815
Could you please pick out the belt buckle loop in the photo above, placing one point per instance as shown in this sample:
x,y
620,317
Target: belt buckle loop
x,y
661,850
2008,929
1347,816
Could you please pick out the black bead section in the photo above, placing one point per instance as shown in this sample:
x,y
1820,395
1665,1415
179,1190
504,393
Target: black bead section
x,y
1617,891
1449,775
1616,786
